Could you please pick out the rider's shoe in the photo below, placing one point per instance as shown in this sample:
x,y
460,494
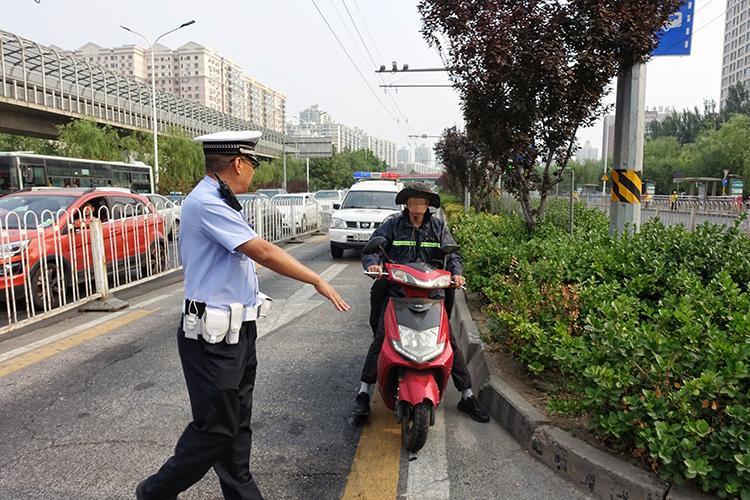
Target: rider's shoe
x,y
471,407
362,405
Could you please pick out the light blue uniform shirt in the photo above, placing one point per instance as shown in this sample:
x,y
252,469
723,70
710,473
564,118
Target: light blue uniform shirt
x,y
210,230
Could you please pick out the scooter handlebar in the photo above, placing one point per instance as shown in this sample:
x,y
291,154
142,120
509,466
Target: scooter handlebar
x,y
385,273
374,274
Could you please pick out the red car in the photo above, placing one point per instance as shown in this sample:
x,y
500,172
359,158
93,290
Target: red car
x,y
51,225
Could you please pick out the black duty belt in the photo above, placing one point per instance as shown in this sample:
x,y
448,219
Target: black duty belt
x,y
197,307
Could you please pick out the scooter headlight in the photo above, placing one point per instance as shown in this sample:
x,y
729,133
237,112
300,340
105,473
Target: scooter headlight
x,y
443,281
419,346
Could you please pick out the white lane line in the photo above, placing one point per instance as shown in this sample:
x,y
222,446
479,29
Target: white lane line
x,y
67,333
156,299
428,473
308,291
285,310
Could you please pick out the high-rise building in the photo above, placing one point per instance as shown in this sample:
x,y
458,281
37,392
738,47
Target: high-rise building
x,y
736,63
315,123
423,155
403,156
587,153
198,74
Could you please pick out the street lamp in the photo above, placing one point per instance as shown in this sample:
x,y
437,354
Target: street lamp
x,y
153,89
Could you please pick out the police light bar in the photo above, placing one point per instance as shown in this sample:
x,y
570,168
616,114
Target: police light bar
x,y
376,175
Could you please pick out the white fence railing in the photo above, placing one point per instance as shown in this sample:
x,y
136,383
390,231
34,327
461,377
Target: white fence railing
x,y
687,211
47,254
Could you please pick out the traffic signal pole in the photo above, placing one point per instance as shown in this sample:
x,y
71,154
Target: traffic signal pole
x,y
627,165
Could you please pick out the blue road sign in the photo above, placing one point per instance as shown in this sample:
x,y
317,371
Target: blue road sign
x,y
675,38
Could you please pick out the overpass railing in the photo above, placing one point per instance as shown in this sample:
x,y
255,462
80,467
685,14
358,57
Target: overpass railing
x,y
34,75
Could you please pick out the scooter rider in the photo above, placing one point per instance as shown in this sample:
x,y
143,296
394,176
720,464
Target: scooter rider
x,y
413,236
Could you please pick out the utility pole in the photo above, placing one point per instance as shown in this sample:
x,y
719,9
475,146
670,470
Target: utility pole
x,y
152,48
283,162
627,172
307,165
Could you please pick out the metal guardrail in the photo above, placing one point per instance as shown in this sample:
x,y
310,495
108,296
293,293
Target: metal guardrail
x,y
55,261
34,75
687,211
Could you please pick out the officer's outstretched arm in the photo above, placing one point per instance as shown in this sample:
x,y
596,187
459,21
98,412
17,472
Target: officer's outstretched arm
x,y
277,260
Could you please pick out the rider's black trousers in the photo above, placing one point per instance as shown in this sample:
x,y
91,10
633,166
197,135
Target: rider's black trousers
x,y
378,302
220,380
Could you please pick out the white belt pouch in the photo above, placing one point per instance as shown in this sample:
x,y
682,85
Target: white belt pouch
x,y
217,323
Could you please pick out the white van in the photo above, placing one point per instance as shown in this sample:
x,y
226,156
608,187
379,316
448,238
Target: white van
x,y
367,204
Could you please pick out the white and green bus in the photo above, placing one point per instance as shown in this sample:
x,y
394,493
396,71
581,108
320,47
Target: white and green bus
x,y
19,170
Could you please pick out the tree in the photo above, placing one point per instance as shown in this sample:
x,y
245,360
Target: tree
x,y
686,125
86,139
181,162
9,142
738,101
662,159
465,167
717,150
531,73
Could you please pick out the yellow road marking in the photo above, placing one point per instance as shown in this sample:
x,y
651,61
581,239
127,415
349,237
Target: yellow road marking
x,y
62,345
375,468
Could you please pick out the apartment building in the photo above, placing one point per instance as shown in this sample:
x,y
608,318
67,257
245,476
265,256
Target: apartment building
x,y
196,73
736,62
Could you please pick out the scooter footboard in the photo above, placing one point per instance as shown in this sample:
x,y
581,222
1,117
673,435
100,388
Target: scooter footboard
x,y
418,385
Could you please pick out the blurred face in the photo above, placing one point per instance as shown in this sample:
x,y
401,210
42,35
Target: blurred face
x,y
87,211
417,206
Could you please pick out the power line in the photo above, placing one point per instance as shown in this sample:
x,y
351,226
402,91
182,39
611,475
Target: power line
x,y
374,64
354,63
397,100
352,60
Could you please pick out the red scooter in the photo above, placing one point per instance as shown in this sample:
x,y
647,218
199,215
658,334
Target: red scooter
x,y
416,358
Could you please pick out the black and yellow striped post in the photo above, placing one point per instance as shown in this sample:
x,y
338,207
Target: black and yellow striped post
x,y
627,154
627,186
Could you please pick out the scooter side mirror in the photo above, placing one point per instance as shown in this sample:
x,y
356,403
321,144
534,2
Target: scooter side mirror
x,y
449,249
373,246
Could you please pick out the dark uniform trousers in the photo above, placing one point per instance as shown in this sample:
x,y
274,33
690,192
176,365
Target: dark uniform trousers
x,y
378,302
220,380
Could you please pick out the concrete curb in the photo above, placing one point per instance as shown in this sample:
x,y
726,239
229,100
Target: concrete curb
x,y
600,473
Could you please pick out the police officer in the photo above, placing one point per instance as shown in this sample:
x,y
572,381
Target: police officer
x,y
216,338
414,236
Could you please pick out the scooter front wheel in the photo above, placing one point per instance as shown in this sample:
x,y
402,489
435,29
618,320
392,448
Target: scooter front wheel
x,y
415,426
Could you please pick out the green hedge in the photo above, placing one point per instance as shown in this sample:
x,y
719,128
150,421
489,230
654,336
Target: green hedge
x,y
648,335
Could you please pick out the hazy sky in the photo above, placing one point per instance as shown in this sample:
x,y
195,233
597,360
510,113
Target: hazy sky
x,y
286,44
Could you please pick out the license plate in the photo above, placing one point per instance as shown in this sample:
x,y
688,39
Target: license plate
x,y
362,237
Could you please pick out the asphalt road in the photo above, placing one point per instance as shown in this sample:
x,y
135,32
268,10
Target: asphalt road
x,y
91,403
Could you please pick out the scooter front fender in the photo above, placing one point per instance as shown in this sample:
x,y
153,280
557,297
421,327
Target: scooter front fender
x,y
418,385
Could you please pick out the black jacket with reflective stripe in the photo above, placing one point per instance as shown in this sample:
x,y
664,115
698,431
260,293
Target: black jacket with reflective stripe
x,y
406,244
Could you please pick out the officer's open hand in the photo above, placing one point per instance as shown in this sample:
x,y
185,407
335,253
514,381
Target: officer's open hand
x,y
459,281
326,290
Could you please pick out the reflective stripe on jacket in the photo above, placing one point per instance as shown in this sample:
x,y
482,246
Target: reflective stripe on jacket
x,y
406,244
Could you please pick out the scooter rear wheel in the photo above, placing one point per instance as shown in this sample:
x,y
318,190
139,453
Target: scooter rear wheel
x,y
414,428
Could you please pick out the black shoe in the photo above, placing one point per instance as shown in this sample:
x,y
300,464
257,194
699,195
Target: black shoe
x,y
362,405
472,407
139,490
140,495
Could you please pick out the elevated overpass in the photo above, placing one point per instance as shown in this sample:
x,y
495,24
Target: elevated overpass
x,y
40,88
